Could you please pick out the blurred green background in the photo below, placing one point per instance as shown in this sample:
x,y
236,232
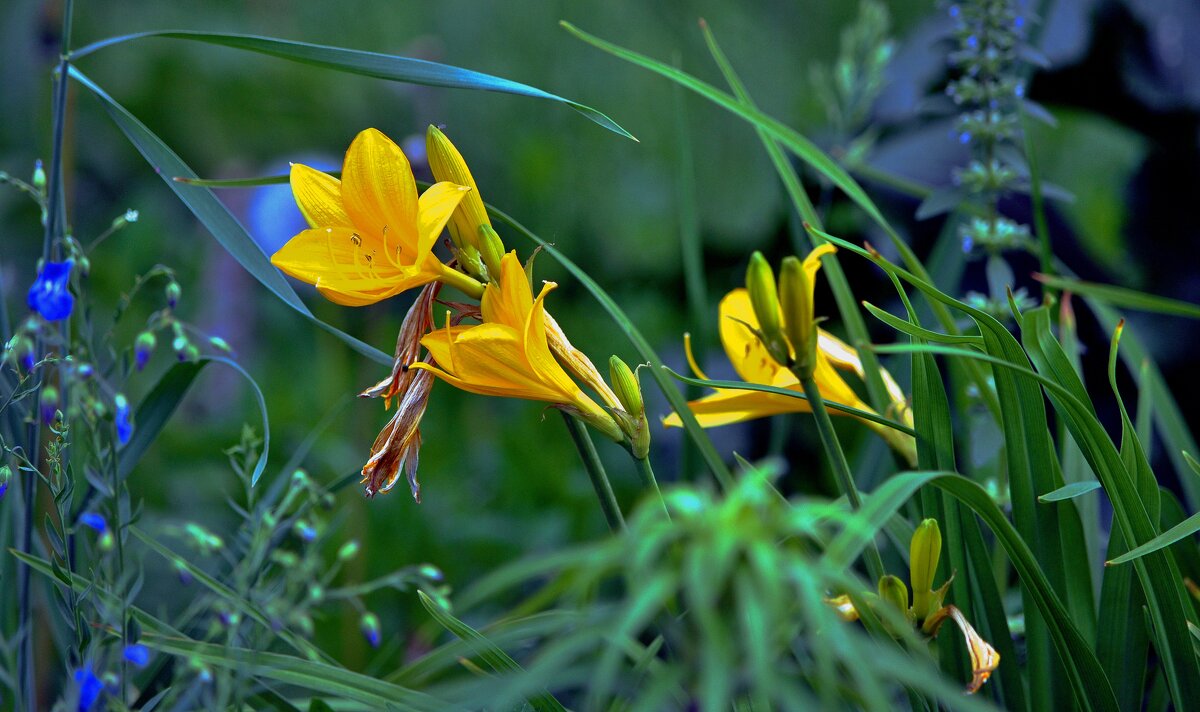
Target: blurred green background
x,y
500,478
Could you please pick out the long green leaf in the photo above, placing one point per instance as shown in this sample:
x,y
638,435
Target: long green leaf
x,y
1185,528
155,410
305,674
370,64
488,651
761,388
1123,297
213,214
1069,491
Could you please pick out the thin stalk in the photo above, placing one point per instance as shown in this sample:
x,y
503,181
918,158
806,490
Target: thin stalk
x,y
837,460
647,474
595,469
25,661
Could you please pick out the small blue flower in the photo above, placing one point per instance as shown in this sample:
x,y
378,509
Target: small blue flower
x,y
1019,21
90,688
954,11
370,629
94,520
124,426
3,489
964,137
972,41
49,295
968,244
137,654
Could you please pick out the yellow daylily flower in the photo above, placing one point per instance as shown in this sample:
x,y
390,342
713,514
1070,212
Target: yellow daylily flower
x,y
508,354
754,364
371,236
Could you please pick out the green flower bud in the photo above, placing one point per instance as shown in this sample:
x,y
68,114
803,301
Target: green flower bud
x,y
491,248
39,176
172,292
220,344
893,590
764,297
924,552
795,299
629,393
348,551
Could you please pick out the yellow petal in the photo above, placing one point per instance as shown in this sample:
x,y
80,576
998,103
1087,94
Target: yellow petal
x,y
537,353
435,206
745,351
984,658
510,301
379,192
730,406
340,262
319,197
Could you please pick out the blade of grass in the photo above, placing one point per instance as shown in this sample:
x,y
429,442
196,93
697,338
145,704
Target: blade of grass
x,y
486,650
1122,297
369,64
214,215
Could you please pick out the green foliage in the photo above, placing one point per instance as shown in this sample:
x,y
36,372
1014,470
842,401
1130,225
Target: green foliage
x,y
160,582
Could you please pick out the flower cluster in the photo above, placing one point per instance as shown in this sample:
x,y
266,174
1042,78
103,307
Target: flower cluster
x,y
372,237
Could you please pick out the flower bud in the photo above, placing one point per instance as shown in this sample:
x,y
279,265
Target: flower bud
x,y
893,590
24,353
370,629
121,417
924,552
447,164
220,344
629,393
49,404
491,248
143,347
5,476
348,551
172,292
305,531
122,220
39,176
764,297
795,298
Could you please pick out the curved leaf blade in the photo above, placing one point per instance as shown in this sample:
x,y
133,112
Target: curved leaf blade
x,y
369,64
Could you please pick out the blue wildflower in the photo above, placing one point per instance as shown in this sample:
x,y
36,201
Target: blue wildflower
x,y
49,404
972,41
124,426
143,348
968,244
964,137
94,520
5,475
49,295
137,654
90,688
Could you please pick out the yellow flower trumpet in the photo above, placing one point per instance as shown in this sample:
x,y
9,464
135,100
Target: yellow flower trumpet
x,y
508,354
754,364
371,236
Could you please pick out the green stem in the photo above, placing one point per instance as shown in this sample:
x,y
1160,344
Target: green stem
x,y
595,469
837,460
647,474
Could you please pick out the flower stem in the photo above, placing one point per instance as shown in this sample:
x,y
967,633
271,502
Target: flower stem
x,y
837,460
462,282
595,470
647,474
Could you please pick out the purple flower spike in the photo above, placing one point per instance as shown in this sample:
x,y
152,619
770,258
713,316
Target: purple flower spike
x,y
49,295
